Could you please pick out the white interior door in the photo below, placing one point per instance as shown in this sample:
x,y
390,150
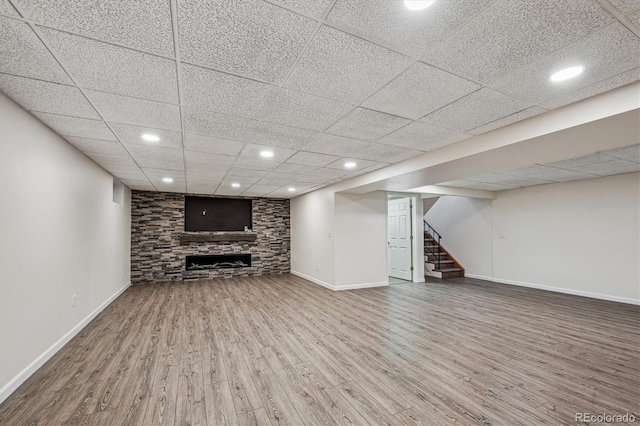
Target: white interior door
x,y
399,245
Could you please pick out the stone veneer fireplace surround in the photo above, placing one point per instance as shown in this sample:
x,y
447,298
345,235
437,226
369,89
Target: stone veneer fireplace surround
x,y
160,246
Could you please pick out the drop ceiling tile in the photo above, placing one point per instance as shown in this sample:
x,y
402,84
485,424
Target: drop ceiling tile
x,y
126,110
252,38
279,136
259,190
243,180
216,91
178,185
305,111
604,54
209,123
371,168
212,145
102,66
154,152
474,110
522,181
572,163
510,119
336,146
132,135
229,190
201,188
276,179
593,89
311,159
255,164
153,173
208,159
528,170
360,164
8,10
314,179
314,8
631,153
116,169
141,187
367,124
74,126
420,90
344,67
512,34
37,95
491,186
156,163
386,153
97,146
299,187
132,176
144,25
211,175
404,30
459,183
626,6
217,169
327,173
422,137
279,154
105,159
238,171
635,18
24,54
142,180
614,167
293,168
560,175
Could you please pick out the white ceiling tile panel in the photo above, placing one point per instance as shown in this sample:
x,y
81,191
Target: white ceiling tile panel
x,y
238,171
314,8
140,187
293,168
204,170
132,135
327,173
208,159
360,164
593,89
243,180
279,136
178,185
106,159
160,173
24,54
8,10
528,170
311,159
604,54
313,179
255,164
157,163
386,153
572,163
229,190
43,96
216,91
213,124
299,186
336,145
472,111
139,176
631,153
421,136
420,90
521,181
614,167
490,186
305,111
212,145
560,175
157,153
97,146
201,188
626,6
635,18
250,38
404,30
144,25
512,33
343,67
259,190
367,124
102,66
510,119
74,126
205,176
458,183
141,112
116,169
279,154
278,179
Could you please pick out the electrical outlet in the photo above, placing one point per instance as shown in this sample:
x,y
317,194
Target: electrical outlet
x,y
73,301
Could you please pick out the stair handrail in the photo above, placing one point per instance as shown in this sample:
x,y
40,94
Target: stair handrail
x,y
433,233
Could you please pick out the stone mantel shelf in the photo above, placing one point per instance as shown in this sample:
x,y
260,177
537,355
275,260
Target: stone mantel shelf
x,y
204,237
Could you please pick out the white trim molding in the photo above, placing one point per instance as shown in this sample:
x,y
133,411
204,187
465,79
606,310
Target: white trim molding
x,y
573,292
333,287
21,377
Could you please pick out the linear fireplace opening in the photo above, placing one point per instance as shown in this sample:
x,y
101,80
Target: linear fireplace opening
x,y
219,261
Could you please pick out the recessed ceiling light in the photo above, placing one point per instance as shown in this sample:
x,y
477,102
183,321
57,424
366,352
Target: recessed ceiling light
x,y
418,4
566,73
350,164
167,180
266,154
292,189
235,185
150,138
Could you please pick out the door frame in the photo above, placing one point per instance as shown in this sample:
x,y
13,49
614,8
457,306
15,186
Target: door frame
x,y
417,229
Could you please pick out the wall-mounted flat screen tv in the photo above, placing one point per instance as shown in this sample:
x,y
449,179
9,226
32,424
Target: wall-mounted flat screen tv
x,y
216,214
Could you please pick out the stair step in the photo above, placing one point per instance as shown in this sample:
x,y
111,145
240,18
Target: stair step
x,y
432,247
448,270
444,262
435,255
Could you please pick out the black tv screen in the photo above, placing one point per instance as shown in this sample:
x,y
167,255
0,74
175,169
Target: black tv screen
x,y
216,214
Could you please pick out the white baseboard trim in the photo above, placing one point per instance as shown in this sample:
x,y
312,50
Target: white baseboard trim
x,y
582,293
333,287
21,377
419,280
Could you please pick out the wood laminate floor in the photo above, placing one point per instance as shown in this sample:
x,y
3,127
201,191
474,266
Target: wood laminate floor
x,y
279,350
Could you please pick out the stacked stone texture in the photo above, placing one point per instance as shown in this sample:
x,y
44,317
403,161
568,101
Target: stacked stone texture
x,y
157,222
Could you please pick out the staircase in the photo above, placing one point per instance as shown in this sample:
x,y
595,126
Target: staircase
x,y
437,261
